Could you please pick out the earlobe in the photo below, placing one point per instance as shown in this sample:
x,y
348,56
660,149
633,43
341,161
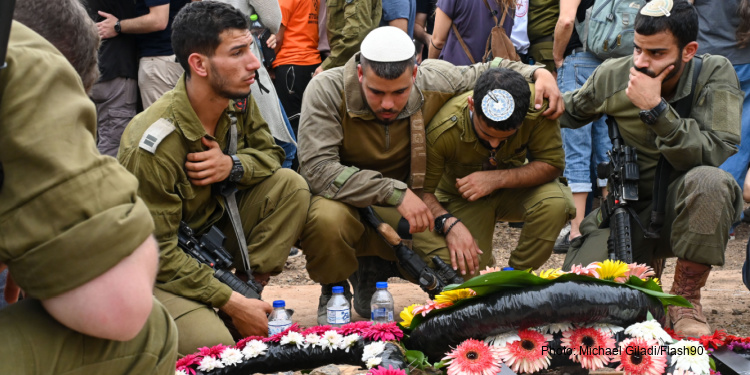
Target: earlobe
x,y
198,64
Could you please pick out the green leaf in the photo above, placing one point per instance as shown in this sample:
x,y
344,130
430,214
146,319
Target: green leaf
x,y
416,358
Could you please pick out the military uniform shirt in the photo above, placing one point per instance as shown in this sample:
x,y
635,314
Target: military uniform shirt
x,y
171,197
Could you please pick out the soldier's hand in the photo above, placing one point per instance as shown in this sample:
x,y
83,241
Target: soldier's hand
x,y
645,91
476,185
12,290
463,248
248,315
416,213
106,28
318,70
545,86
207,167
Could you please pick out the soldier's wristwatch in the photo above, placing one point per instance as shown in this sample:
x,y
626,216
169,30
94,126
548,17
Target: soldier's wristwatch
x,y
118,28
440,222
235,175
649,116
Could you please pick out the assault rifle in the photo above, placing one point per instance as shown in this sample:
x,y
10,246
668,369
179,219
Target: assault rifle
x,y
430,280
210,251
622,174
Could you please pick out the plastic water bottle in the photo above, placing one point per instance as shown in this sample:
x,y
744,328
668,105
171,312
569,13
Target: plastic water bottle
x,y
255,26
279,320
262,33
381,305
339,312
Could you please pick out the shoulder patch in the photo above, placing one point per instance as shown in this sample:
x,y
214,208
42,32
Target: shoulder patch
x,y
155,133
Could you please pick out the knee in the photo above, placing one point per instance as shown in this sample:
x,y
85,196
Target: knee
x,y
289,179
553,208
712,186
330,222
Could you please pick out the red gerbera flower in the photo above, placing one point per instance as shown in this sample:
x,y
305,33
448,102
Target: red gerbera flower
x,y
242,343
473,357
635,358
589,346
526,355
213,351
386,371
354,327
429,306
277,337
185,362
383,332
318,330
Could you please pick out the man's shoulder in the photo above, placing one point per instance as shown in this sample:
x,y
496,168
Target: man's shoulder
x,y
329,83
451,115
153,132
438,75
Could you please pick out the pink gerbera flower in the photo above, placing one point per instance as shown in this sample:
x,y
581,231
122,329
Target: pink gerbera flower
x,y
490,270
214,351
429,306
640,271
318,330
185,362
635,358
277,337
589,346
526,355
473,357
383,332
386,371
589,270
242,343
354,327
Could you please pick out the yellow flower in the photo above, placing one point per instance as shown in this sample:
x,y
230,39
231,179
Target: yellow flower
x,y
609,270
407,315
454,295
656,280
551,273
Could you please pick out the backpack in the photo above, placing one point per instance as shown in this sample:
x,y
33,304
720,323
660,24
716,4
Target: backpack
x,y
608,29
498,43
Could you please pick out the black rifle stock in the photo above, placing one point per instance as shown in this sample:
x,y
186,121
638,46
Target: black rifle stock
x,y
622,174
430,280
210,251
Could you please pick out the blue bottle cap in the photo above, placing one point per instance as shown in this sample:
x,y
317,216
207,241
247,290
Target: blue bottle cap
x,y
508,269
381,285
338,289
279,303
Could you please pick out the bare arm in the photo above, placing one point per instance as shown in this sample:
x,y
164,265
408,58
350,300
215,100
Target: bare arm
x,y
564,29
157,19
401,23
278,39
114,305
480,184
746,188
420,29
439,33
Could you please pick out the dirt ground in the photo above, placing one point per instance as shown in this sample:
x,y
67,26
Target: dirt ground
x,y
726,301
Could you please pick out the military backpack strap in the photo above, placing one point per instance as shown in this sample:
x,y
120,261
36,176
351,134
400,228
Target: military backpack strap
x,y
229,192
418,152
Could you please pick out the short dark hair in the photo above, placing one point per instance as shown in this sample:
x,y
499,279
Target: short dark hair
x,y
682,23
510,81
197,27
69,28
387,70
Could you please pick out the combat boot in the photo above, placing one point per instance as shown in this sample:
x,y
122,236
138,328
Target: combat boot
x,y
689,278
326,292
369,271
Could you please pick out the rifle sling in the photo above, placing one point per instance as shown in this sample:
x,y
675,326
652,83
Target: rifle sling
x,y
230,201
663,168
418,152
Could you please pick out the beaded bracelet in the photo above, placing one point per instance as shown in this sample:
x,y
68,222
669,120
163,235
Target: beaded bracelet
x,y
451,227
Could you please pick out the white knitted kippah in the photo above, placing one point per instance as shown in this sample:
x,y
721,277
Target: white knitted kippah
x,y
387,44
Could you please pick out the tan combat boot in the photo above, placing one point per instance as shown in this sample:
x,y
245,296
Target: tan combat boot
x,y
689,278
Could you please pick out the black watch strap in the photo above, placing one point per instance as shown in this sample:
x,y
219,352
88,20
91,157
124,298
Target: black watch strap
x,y
649,116
118,27
237,170
440,222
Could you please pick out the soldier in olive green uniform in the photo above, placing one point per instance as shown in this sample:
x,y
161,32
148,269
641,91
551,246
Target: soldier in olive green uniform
x,y
543,16
477,170
702,201
73,229
163,147
349,21
356,146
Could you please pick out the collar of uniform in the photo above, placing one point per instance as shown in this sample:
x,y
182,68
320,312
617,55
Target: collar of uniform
x,y
356,105
684,85
185,117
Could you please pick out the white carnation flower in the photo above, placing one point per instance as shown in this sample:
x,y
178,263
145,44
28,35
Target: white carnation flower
x,y
373,350
254,348
312,339
349,341
690,356
649,330
180,372
606,328
209,364
231,356
333,337
374,361
503,339
293,338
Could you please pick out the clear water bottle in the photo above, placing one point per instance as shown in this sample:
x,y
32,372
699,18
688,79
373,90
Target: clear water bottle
x,y
381,305
262,33
255,26
279,320
339,312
